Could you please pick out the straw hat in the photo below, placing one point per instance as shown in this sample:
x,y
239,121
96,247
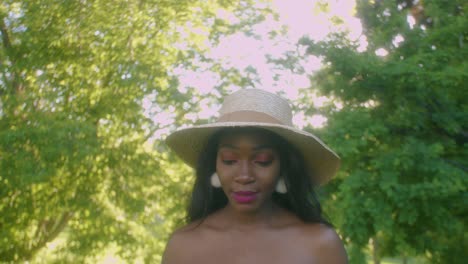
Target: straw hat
x,y
258,108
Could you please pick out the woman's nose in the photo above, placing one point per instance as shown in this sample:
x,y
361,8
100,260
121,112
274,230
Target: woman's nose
x,y
244,175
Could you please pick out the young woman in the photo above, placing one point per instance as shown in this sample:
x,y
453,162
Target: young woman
x,y
253,200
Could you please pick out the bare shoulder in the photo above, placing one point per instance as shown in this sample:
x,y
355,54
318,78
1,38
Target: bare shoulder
x,y
324,243
179,245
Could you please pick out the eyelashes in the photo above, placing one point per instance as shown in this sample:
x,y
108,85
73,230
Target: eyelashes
x,y
229,162
263,159
262,163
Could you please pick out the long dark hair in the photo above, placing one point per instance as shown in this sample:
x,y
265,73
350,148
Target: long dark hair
x,y
300,198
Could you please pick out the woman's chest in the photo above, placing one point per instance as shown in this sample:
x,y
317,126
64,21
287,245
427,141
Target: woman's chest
x,y
232,249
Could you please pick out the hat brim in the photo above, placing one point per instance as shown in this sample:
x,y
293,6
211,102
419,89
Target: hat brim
x,y
321,162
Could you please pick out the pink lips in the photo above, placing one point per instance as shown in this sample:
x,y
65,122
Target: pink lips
x,y
244,196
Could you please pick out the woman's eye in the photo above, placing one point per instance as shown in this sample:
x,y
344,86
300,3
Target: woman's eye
x,y
229,162
264,159
264,163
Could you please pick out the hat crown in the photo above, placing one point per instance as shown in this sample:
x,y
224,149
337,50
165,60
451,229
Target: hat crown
x,y
262,102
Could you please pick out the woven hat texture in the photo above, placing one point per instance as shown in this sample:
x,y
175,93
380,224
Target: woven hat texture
x,y
258,108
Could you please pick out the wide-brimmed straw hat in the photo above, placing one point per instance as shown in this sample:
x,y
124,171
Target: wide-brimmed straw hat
x,y
262,109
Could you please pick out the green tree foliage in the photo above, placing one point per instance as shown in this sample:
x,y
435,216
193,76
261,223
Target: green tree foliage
x,y
75,159
400,124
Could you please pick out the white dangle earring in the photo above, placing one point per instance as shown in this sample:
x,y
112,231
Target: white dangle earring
x,y
215,180
281,186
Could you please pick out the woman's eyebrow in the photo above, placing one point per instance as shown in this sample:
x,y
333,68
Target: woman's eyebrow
x,y
259,147
228,146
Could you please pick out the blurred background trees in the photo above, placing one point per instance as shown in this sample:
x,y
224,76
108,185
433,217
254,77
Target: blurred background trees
x,y
75,158
400,123
89,88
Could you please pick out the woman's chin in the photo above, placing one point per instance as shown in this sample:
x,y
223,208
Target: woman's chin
x,y
248,207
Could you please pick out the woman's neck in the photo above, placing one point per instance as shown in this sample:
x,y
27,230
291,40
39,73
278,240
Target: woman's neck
x,y
251,219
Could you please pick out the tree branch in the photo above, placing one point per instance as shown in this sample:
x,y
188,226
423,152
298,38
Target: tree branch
x,y
51,229
6,41
5,37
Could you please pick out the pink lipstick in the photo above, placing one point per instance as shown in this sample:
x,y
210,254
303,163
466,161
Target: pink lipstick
x,y
244,196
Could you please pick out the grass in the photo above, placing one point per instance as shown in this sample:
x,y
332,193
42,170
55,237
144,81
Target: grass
x,y
397,260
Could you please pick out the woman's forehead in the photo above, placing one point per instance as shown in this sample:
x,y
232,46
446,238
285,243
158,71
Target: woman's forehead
x,y
254,138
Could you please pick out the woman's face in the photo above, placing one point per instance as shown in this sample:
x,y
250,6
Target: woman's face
x,y
248,167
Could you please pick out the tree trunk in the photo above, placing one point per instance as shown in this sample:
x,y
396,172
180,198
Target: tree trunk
x,y
375,248
405,260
